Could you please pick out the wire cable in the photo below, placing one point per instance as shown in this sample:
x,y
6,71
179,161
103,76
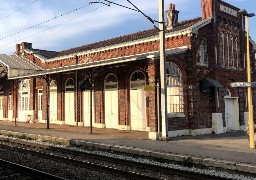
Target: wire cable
x,y
18,10
50,28
56,17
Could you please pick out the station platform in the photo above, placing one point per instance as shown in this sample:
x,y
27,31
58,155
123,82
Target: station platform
x,y
229,151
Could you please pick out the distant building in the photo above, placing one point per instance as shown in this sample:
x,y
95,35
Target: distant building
x,y
204,55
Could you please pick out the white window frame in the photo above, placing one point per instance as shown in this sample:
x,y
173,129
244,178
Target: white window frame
x,y
232,51
40,98
9,101
222,48
227,40
175,102
237,53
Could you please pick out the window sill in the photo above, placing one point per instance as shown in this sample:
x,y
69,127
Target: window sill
x,y
202,64
181,115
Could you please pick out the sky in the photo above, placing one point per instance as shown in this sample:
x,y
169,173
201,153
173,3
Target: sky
x,y
63,24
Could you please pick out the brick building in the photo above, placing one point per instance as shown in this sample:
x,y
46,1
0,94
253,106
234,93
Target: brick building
x,y
115,83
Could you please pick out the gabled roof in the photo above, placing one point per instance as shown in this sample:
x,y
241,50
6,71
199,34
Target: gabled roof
x,y
115,41
42,54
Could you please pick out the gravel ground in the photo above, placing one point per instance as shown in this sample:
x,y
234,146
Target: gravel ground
x,y
71,172
57,168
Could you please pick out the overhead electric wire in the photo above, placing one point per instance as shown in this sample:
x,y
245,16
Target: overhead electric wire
x,y
18,10
56,17
55,26
108,3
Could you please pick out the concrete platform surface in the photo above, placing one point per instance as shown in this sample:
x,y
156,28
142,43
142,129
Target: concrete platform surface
x,y
228,150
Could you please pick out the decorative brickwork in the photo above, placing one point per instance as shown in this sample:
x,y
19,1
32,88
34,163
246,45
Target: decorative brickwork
x,y
214,48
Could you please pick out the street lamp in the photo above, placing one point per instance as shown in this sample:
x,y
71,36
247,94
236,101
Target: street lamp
x,y
249,90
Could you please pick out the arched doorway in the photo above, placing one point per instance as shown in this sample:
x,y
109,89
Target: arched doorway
x,y
24,91
87,107
69,102
137,101
53,102
111,101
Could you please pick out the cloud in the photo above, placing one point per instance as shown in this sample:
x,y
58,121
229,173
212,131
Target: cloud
x,y
89,26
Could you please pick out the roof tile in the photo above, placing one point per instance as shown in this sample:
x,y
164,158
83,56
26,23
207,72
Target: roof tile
x,y
118,40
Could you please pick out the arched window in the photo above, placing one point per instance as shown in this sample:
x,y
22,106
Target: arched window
x,y
53,84
237,53
222,48
24,91
232,52
70,85
110,82
227,41
203,52
138,80
175,100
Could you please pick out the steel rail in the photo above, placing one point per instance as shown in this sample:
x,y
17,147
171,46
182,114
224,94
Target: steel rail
x,y
148,167
24,170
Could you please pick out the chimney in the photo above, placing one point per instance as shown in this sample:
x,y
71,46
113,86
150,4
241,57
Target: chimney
x,y
207,9
20,47
17,49
172,17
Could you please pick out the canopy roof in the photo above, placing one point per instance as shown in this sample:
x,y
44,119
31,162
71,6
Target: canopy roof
x,y
18,65
41,72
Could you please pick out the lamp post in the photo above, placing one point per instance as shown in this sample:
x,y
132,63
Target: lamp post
x,y
249,90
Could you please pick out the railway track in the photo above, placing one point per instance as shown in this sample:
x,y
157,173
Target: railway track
x,y
125,168
10,170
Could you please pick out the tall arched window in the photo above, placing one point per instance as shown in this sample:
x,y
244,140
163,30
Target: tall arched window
x,y
203,52
175,100
222,48
237,53
69,102
24,95
111,101
53,101
232,52
227,42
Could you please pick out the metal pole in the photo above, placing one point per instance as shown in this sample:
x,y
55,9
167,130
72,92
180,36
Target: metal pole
x,y
158,110
249,90
15,103
163,70
91,103
76,98
47,101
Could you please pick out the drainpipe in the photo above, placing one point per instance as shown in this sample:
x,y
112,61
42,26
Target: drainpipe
x,y
76,99
158,110
15,103
91,102
47,101
76,116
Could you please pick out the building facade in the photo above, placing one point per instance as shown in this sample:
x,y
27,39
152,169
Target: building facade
x,y
115,83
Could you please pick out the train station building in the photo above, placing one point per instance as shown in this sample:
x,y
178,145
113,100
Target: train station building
x,y
115,83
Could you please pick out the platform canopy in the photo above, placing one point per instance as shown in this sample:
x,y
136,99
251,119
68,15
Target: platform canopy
x,y
93,64
16,66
